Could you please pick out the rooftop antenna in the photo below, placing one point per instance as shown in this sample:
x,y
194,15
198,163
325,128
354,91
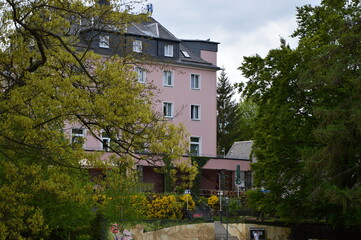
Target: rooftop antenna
x,y
150,8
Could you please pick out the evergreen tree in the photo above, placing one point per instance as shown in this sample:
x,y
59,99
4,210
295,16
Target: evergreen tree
x,y
307,131
227,119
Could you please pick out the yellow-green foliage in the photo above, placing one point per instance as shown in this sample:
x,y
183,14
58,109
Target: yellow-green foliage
x,y
183,174
142,207
164,207
191,203
213,202
139,203
46,82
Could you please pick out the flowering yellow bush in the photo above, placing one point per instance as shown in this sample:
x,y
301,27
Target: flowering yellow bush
x,y
213,202
101,199
151,207
164,207
191,203
140,204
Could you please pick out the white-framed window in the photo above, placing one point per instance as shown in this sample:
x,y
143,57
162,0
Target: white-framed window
x,y
195,81
168,78
195,146
141,74
185,54
137,46
168,109
168,50
104,41
195,112
105,142
77,135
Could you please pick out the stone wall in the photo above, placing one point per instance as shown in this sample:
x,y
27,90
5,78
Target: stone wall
x,y
202,231
242,231
205,231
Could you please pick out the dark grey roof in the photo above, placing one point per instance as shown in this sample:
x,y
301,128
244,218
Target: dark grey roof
x,y
193,58
152,29
240,150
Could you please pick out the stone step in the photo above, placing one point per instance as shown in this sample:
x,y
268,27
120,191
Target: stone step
x,y
220,232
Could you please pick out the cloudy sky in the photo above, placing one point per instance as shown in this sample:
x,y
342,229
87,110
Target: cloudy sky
x,y
242,27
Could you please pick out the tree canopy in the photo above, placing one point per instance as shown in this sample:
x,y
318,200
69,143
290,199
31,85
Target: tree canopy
x,y
46,82
227,117
307,131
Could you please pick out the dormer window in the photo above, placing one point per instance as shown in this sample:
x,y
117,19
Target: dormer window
x,y
137,46
168,50
104,41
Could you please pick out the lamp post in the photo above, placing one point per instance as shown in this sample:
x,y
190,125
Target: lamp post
x,y
220,193
227,206
186,192
238,179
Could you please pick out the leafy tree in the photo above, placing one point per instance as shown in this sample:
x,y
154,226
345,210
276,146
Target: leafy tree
x,y
247,112
227,119
307,131
50,80
183,174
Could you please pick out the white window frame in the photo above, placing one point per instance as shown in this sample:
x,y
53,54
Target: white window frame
x,y
104,41
198,143
195,112
195,78
137,46
74,136
165,108
168,50
185,54
105,147
141,74
168,78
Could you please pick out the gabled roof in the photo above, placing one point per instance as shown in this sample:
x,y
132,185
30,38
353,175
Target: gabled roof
x,y
152,29
240,150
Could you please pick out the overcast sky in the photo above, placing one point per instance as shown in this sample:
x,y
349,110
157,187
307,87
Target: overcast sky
x,y
242,27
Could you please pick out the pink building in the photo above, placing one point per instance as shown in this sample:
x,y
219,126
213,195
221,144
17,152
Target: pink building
x,y
185,72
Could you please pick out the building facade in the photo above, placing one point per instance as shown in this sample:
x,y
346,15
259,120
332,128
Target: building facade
x,y
185,73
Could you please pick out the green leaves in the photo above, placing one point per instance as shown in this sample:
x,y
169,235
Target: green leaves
x,y
50,80
307,139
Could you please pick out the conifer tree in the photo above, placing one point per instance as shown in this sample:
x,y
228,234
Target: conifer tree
x,y
227,118
308,132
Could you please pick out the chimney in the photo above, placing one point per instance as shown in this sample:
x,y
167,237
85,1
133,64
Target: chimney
x,y
104,2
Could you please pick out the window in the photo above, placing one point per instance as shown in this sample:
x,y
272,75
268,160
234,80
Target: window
x,y
137,46
168,78
168,109
104,41
195,145
141,74
195,81
77,135
168,50
185,54
195,112
105,142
